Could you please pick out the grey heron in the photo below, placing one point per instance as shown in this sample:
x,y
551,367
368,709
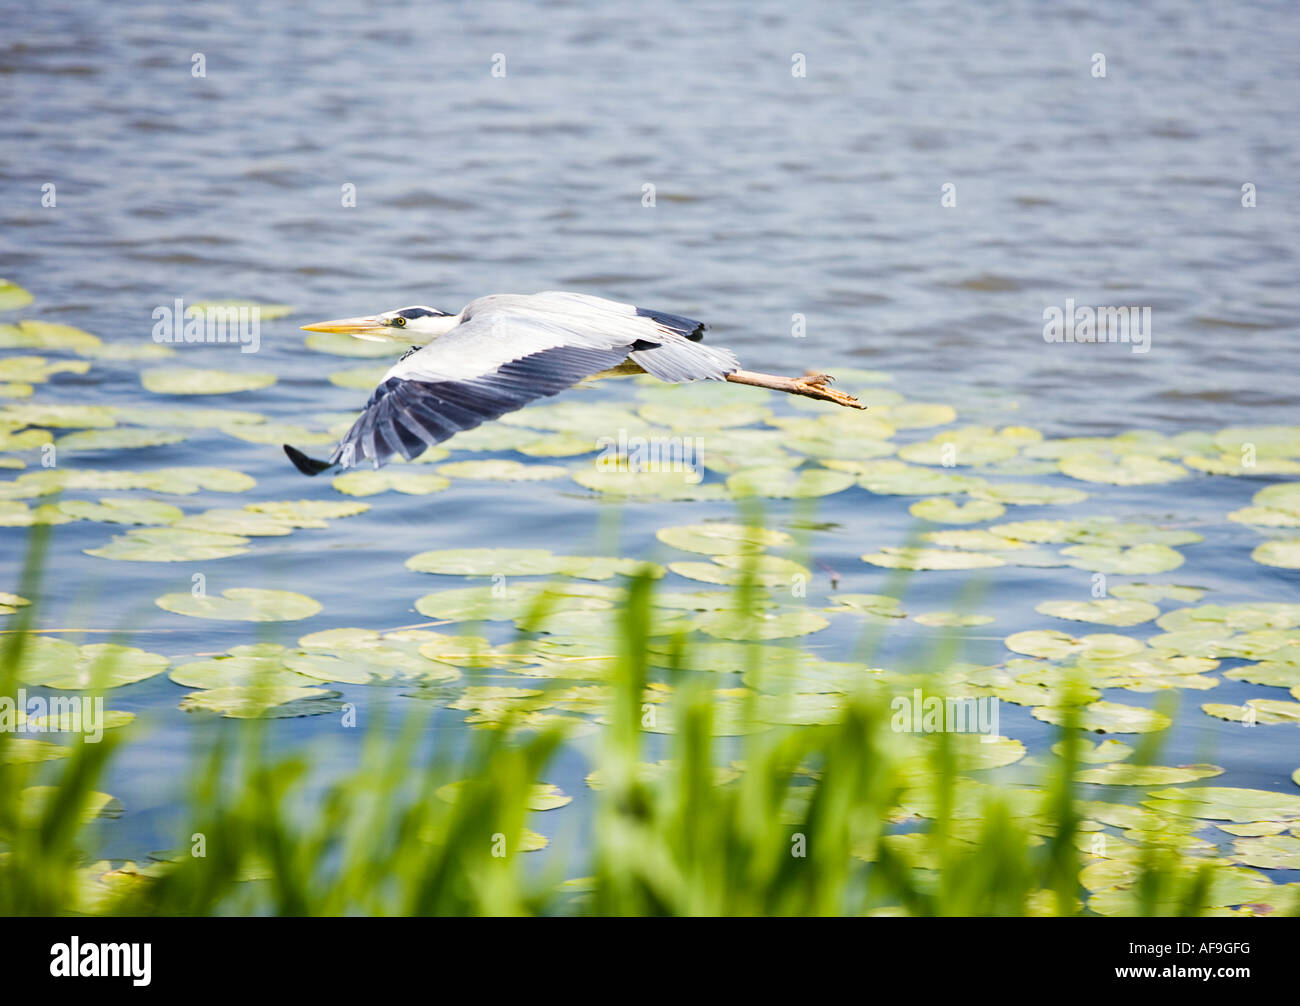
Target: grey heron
x,y
503,351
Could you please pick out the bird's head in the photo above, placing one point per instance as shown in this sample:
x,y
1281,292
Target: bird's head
x,y
414,325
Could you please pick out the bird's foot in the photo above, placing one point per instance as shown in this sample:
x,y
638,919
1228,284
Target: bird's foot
x,y
816,385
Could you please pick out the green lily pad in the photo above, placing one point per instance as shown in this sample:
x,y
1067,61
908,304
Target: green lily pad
x,y
942,510
760,624
37,369
1125,774
542,795
951,619
1099,753
13,296
524,562
202,381
900,557
46,335
243,604
1265,711
359,378
868,604
128,438
307,513
57,663
733,570
683,485
67,722
236,522
1268,852
259,666
1144,559
1284,553
1107,718
10,603
26,751
1121,470
515,600
1225,803
169,544
248,702
1026,494
364,482
776,482
1154,592
1050,644
122,511
723,539
502,471
1104,612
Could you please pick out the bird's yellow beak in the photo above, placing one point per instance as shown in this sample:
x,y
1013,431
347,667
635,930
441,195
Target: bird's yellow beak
x,y
366,327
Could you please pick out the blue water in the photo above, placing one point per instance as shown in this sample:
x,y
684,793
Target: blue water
x,y
776,195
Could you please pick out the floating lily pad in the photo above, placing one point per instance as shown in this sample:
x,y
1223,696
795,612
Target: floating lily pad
x,y
26,751
1125,774
243,604
13,296
942,510
363,482
307,513
170,544
733,570
723,539
1284,553
57,663
781,483
359,378
1269,852
247,702
202,381
1099,753
951,619
1154,592
502,471
1107,611
507,602
1052,645
275,434
68,722
1121,470
37,369
682,485
46,335
1225,803
868,604
760,624
1107,718
900,557
10,603
129,438
1265,711
123,511
1144,559
1026,494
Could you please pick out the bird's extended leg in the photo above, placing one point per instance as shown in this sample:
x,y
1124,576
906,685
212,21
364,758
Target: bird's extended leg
x,y
811,385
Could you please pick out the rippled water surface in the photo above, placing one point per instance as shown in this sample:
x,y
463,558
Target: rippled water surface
x,y
776,196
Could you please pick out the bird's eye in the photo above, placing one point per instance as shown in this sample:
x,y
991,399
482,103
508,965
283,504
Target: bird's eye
x,y
397,322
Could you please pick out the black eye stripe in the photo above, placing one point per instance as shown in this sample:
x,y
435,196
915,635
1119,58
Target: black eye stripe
x,y
419,312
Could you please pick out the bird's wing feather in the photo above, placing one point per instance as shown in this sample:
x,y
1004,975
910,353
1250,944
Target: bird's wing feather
x,y
511,349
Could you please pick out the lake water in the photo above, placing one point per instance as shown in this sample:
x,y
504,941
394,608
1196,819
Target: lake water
x,y
776,195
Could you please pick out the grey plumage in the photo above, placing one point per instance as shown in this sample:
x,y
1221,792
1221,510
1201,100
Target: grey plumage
x,y
504,351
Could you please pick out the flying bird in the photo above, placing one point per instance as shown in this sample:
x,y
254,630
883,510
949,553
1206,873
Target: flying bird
x,y
503,351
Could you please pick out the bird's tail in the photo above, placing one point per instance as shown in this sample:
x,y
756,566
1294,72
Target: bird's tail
x,y
304,464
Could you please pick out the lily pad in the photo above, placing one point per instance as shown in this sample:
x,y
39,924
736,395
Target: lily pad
x,y
502,471
723,539
263,702
1284,553
776,482
1125,774
759,625
1107,718
1107,611
202,381
363,482
901,557
942,510
243,604
57,663
1144,559
169,544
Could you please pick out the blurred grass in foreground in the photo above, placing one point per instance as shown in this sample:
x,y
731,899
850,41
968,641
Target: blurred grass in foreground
x,y
797,820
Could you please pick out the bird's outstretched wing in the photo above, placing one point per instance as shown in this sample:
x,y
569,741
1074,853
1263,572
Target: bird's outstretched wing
x,y
508,351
